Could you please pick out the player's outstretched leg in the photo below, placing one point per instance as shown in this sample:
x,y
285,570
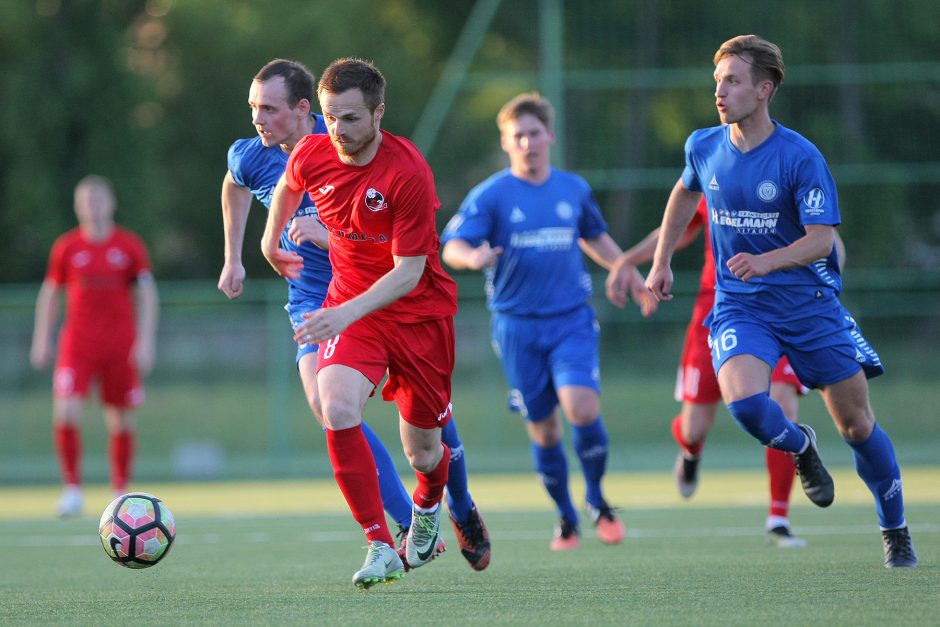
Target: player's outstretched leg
x,y
425,532
423,537
899,548
877,465
552,468
471,532
357,478
781,471
685,469
402,550
474,539
382,565
817,483
591,445
395,498
68,444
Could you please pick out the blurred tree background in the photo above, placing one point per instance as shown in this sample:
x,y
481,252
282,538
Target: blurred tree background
x,y
152,92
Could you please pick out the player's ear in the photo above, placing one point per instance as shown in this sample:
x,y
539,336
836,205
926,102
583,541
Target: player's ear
x,y
303,107
379,112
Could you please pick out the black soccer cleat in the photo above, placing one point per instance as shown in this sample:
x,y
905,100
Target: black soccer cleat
x,y
686,474
817,483
899,549
781,537
474,539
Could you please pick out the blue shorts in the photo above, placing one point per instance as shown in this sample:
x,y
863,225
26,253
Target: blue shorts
x,y
296,310
823,349
541,355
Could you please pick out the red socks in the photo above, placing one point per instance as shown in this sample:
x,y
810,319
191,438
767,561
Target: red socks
x,y
782,472
358,479
68,445
430,488
120,454
693,450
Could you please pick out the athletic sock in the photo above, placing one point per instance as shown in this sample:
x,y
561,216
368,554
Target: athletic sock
x,y
68,444
762,417
552,468
781,471
354,469
691,450
459,501
395,498
430,488
121,454
877,465
590,444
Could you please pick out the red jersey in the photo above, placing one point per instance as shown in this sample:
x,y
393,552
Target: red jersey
x,y
373,212
707,280
97,277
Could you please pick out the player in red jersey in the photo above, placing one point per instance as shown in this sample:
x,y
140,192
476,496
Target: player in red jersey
x,y
389,307
101,267
697,386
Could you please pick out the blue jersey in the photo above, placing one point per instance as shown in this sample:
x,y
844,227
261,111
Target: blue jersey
x,y
759,201
541,271
257,167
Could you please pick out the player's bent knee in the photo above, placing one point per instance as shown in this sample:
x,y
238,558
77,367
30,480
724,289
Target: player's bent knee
x,y
750,414
424,460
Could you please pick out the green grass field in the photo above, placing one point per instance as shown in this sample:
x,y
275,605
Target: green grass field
x,y
283,553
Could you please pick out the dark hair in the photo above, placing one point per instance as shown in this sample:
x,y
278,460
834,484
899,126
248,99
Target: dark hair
x,y
765,58
351,73
532,103
297,78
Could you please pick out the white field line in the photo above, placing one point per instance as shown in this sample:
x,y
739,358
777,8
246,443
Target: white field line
x,y
317,537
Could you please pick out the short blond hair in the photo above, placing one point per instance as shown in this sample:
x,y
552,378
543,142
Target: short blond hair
x,y
764,57
532,103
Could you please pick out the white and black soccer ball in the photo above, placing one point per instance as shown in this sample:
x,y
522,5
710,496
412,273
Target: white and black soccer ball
x,y
137,530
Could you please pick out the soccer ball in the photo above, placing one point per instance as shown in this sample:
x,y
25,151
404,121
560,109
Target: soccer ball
x,y
137,530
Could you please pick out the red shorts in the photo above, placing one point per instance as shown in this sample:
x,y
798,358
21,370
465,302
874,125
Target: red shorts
x,y
418,357
696,381
116,374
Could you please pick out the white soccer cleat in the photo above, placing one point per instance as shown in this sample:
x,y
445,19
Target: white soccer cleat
x,y
423,537
71,502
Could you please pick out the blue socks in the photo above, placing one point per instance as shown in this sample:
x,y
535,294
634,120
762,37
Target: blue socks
x,y
877,465
459,502
552,468
762,417
590,443
395,499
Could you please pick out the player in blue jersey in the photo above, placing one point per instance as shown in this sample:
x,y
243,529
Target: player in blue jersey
x,y
773,211
526,226
280,98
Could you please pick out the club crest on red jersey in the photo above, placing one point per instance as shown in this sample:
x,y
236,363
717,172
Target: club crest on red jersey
x,y
375,201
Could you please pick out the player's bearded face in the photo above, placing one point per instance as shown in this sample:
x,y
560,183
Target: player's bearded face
x,y
352,126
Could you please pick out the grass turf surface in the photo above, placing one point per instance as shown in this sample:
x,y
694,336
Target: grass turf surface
x,y
284,552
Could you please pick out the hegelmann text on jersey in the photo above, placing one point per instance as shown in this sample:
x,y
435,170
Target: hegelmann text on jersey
x,y
747,222
553,238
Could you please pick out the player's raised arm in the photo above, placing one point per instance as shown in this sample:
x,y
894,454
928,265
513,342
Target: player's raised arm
x,y
679,211
236,204
283,204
